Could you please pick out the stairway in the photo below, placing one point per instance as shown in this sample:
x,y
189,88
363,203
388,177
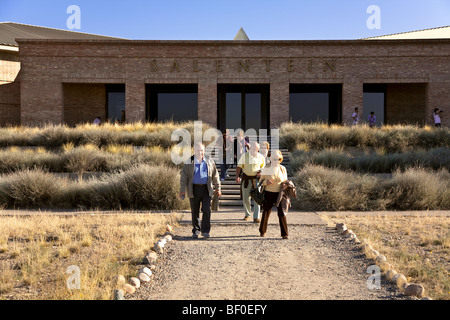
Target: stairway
x,y
230,189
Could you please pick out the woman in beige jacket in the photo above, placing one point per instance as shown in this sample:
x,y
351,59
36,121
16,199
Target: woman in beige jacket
x,y
273,177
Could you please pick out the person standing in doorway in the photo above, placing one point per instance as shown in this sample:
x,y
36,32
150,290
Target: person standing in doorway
x,y
355,117
372,119
199,181
251,164
437,117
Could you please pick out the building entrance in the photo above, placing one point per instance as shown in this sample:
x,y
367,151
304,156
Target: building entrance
x,y
244,106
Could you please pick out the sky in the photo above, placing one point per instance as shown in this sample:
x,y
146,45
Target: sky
x,y
221,20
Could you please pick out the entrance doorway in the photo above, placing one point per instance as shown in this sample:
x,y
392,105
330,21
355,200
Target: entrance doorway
x,y
244,106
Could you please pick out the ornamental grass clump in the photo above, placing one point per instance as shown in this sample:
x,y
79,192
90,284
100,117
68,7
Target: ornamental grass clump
x,y
418,189
320,188
142,187
31,188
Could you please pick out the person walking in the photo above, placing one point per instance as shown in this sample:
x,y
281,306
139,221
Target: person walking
x,y
199,181
273,176
250,164
227,148
264,150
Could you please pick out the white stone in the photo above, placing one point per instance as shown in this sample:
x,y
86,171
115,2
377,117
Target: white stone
x,y
158,248
129,288
380,259
143,277
135,282
390,274
146,270
400,280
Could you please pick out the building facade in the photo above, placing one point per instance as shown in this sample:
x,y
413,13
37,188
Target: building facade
x,y
229,84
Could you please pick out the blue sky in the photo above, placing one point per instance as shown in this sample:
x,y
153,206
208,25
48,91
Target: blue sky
x,y
220,20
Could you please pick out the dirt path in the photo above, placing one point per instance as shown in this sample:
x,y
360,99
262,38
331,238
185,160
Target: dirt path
x,y
235,263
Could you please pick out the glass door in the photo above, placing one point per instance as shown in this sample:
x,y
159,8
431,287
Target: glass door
x,y
243,106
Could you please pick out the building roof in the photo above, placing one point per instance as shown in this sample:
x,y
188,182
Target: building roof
x,y
241,35
10,31
433,33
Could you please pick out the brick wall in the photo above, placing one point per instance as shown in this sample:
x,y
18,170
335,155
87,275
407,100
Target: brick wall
x,y
46,64
406,103
10,104
83,102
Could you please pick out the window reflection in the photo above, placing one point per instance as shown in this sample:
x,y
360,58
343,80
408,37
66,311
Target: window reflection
x,y
315,103
309,107
177,106
176,102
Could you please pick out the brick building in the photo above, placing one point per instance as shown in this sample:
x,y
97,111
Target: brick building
x,y
228,84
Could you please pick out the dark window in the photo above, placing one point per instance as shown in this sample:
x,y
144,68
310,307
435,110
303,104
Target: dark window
x,y
374,101
176,102
115,102
315,103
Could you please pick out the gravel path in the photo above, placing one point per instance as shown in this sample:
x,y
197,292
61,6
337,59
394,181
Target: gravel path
x,y
235,263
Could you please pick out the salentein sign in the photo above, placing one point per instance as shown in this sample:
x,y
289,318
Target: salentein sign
x,y
245,65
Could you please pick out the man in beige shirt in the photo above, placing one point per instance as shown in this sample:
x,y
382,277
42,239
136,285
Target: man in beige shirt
x,y
251,164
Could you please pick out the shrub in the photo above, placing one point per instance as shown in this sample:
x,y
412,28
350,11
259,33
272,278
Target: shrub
x,y
142,188
323,189
418,189
372,162
30,189
398,138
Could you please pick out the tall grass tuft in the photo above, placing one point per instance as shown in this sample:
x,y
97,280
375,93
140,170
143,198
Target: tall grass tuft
x,y
142,187
418,189
396,138
373,162
325,189
30,189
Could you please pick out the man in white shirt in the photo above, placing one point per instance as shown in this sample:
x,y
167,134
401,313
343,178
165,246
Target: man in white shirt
x,y
437,118
355,117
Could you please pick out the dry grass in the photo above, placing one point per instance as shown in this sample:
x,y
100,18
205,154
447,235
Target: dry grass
x,y
416,246
35,252
392,138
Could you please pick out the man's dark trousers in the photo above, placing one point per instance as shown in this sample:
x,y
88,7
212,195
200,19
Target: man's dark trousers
x,y
201,196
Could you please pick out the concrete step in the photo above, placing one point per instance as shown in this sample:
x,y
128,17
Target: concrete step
x,y
231,203
230,197
231,191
